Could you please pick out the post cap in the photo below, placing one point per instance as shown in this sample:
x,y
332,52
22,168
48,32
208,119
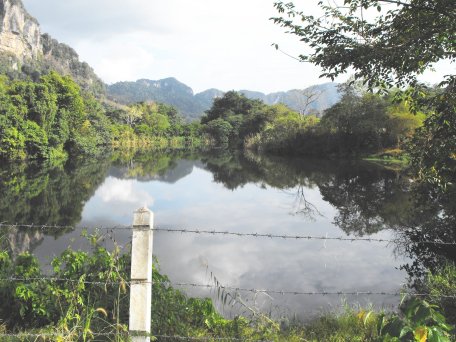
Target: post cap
x,y
143,217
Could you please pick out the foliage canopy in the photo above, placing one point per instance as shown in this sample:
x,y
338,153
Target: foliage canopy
x,y
401,41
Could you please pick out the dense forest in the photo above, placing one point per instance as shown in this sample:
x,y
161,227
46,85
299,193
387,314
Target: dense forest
x,y
393,48
52,118
362,123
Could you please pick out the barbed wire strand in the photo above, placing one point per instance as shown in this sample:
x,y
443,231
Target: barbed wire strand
x,y
229,288
176,337
201,338
229,233
291,237
56,334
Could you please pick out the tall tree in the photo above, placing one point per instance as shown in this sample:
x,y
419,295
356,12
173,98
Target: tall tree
x,y
390,43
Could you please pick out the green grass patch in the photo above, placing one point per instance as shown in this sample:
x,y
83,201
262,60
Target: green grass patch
x,y
396,157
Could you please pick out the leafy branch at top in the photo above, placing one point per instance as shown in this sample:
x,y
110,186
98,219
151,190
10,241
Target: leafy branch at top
x,y
390,50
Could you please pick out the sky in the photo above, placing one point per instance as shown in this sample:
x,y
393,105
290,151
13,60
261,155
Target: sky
x,y
223,44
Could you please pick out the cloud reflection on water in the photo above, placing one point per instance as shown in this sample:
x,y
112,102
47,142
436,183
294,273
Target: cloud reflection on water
x,y
195,201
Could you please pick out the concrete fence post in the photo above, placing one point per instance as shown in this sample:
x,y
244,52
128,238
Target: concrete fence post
x,y
141,275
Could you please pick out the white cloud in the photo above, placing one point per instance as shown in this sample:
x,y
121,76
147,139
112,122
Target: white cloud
x,y
116,61
204,43
125,191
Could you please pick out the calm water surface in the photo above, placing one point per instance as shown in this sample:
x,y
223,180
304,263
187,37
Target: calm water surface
x,y
234,193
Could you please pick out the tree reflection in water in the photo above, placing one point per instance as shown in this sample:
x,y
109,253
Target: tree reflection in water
x,y
45,195
368,198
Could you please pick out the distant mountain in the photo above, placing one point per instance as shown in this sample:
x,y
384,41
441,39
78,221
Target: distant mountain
x,y
26,52
206,98
311,100
192,106
168,90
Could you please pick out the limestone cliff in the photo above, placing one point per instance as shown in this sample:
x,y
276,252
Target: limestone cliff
x,y
19,32
26,52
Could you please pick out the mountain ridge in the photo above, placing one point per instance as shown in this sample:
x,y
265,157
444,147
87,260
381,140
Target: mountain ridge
x,y
193,105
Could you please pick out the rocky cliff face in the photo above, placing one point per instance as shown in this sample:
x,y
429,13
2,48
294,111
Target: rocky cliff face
x,y
20,33
25,51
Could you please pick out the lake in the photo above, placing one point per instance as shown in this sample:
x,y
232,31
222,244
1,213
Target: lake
x,y
244,193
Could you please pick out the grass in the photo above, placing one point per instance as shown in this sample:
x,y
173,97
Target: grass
x,y
348,326
79,312
330,327
394,158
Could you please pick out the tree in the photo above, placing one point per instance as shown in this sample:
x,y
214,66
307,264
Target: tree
x,y
306,98
132,115
433,147
358,122
69,131
231,103
12,141
402,123
279,131
234,116
400,42
220,130
49,118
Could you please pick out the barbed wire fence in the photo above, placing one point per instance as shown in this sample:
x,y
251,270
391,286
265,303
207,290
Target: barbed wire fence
x,y
229,288
228,233
110,231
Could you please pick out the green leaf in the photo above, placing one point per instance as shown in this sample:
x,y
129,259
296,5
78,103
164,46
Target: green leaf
x,y
394,327
366,318
405,331
435,335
